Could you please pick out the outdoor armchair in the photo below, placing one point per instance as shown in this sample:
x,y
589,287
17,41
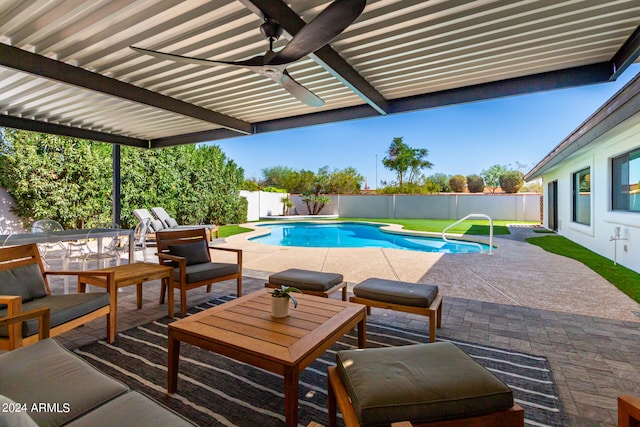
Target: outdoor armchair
x,y
189,255
24,287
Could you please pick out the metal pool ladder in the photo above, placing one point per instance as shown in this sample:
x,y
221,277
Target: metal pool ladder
x,y
444,237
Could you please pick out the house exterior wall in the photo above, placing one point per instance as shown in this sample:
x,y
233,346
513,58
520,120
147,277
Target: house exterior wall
x,y
603,220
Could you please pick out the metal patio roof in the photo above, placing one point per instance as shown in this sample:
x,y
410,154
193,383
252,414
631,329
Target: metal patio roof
x,y
66,67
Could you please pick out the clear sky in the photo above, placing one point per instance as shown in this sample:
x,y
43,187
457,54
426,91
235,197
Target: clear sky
x,y
461,139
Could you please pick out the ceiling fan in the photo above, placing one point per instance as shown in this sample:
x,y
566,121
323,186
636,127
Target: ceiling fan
x,y
333,20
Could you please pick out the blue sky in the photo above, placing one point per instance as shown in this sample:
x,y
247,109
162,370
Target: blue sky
x,y
461,139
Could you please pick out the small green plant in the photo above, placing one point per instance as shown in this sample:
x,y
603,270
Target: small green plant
x,y
285,292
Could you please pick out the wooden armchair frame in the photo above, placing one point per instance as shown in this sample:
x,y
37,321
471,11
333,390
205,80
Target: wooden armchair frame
x,y
175,237
16,256
628,411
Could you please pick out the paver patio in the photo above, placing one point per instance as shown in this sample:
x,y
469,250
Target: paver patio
x,y
521,298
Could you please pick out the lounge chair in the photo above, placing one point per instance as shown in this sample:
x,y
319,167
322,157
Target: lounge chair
x,y
172,224
156,224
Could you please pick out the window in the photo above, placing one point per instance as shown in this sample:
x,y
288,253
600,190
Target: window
x,y
582,196
625,180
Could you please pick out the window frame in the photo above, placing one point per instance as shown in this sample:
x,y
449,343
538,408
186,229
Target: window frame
x,y
575,195
620,199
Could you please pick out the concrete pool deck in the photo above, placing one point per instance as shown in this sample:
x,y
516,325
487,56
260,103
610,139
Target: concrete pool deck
x,y
593,357
518,273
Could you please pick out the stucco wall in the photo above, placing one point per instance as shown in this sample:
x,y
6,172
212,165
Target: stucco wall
x,y
262,204
603,219
515,207
8,221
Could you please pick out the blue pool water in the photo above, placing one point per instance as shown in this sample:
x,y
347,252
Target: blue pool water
x,y
356,235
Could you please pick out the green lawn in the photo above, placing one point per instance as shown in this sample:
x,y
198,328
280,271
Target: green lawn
x,y
469,227
230,230
626,280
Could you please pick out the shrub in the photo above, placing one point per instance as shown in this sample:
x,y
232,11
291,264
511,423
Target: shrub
x,y
240,212
250,185
274,190
475,183
511,181
457,183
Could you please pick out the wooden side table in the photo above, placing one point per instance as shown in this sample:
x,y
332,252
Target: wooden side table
x,y
127,275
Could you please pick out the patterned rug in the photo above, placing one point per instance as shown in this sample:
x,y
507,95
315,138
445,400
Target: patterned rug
x,y
216,391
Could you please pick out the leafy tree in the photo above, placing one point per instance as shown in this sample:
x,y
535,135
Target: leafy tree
x,y
404,160
511,181
491,176
280,177
250,185
475,183
458,183
69,180
345,181
66,179
441,180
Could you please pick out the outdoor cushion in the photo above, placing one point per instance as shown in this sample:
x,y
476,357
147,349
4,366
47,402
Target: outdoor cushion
x,y
171,223
306,280
156,225
46,372
25,281
194,253
396,292
12,417
63,309
133,408
209,270
419,383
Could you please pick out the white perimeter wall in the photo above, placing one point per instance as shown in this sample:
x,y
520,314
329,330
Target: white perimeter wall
x,y
262,204
8,221
624,138
515,207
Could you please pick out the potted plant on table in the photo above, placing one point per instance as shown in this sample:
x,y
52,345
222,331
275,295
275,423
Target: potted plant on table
x,y
280,301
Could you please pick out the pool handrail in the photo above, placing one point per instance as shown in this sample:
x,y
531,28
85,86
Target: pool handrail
x,y
444,237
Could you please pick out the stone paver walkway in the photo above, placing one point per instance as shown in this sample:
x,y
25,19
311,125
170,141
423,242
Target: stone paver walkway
x,y
521,298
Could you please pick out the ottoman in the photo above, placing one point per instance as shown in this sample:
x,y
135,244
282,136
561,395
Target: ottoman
x,y
425,384
309,282
416,298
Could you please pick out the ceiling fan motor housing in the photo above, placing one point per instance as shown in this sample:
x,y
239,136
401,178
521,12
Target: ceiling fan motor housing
x,y
271,29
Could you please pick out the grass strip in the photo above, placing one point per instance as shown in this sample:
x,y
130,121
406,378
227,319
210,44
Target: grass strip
x,y
469,227
628,281
230,230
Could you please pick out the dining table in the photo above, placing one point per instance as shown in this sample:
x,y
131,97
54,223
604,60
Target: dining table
x,y
70,235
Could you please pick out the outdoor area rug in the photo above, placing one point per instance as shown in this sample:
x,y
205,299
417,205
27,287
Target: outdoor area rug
x,y
216,391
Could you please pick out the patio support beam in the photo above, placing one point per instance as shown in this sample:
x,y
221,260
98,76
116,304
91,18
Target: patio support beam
x,y
570,77
63,130
328,58
626,55
42,66
115,184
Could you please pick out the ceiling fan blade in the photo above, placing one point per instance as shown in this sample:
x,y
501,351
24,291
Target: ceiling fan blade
x,y
256,61
300,92
333,20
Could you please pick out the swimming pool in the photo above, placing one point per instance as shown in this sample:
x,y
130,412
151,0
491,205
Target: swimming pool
x,y
356,235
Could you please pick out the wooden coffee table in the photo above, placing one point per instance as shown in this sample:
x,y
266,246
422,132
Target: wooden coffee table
x,y
243,329
127,275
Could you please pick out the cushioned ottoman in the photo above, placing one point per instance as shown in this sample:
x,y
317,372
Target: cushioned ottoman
x,y
414,298
309,282
420,383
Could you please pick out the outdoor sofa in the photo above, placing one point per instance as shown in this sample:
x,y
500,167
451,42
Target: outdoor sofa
x,y
45,384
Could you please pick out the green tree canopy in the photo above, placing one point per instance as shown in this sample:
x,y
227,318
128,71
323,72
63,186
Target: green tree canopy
x,y
345,181
491,176
441,180
405,160
69,180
